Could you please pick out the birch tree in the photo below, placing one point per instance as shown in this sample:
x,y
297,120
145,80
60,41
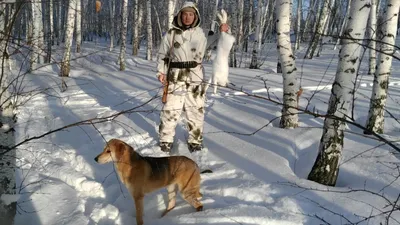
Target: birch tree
x,y
171,11
375,121
49,30
343,24
37,35
289,117
149,32
326,166
137,26
372,35
321,23
124,27
65,64
7,160
298,24
257,38
78,26
112,27
239,37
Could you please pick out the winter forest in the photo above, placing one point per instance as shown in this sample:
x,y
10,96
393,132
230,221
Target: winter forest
x,y
306,131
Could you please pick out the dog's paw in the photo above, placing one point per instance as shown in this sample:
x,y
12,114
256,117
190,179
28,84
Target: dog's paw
x,y
200,208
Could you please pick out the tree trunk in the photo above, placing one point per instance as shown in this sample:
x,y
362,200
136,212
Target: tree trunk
x,y
137,27
289,117
256,44
326,167
149,32
343,24
298,24
112,27
324,16
171,11
65,64
35,50
239,37
124,26
7,160
78,25
49,30
372,36
377,103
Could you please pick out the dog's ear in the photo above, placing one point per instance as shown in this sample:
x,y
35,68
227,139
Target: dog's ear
x,y
119,147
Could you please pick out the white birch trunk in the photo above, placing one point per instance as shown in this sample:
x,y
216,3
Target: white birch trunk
x,y
52,25
343,24
249,23
298,24
112,27
7,160
59,21
124,28
65,64
289,117
34,54
239,39
323,18
149,32
137,27
40,30
377,105
372,36
257,39
171,12
310,18
78,25
326,167
49,31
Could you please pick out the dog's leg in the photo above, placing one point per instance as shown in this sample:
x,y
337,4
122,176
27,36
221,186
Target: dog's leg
x,y
192,199
139,208
171,198
215,87
190,191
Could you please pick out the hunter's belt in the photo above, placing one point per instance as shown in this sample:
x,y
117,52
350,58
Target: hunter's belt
x,y
182,65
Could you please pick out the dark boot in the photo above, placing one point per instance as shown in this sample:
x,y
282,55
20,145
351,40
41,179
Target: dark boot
x,y
166,146
193,147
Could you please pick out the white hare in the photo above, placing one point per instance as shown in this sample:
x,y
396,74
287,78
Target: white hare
x,y
220,63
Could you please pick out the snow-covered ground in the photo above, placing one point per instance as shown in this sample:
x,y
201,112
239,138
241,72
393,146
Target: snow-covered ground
x,y
260,171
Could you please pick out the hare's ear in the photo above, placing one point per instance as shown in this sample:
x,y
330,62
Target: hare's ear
x,y
220,17
224,15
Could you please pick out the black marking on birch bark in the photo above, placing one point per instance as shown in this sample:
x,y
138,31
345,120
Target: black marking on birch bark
x,y
350,70
354,61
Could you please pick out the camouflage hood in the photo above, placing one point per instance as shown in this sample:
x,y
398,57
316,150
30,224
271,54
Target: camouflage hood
x,y
178,20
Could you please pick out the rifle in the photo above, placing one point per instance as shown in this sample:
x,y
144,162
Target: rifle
x,y
165,90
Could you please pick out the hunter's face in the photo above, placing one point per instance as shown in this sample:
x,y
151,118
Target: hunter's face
x,y
187,18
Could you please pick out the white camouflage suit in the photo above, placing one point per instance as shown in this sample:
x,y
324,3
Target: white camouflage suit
x,y
186,87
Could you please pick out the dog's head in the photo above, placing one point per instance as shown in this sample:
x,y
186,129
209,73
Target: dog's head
x,y
113,151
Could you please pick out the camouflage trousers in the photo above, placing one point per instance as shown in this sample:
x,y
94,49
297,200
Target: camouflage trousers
x,y
189,100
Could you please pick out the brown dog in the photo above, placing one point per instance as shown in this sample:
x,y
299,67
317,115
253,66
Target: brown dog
x,y
142,175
